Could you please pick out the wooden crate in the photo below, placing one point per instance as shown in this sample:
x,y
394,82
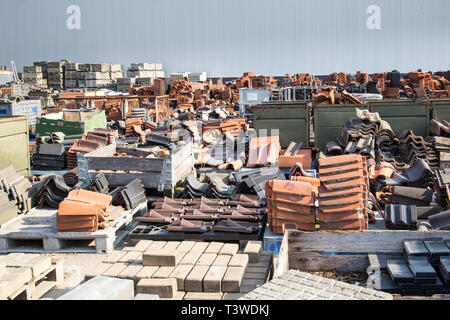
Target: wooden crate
x,y
162,174
341,251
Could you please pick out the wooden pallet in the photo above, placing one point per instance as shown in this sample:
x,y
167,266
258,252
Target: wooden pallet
x,y
37,232
32,280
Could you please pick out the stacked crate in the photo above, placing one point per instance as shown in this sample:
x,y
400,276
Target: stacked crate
x,y
33,75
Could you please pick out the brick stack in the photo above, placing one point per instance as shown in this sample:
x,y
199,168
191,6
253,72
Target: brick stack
x,y
83,211
290,204
71,75
343,195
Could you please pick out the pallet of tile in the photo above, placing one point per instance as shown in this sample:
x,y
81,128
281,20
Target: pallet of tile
x,y
21,283
37,232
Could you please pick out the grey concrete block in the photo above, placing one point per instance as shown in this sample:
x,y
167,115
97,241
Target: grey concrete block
x,y
102,288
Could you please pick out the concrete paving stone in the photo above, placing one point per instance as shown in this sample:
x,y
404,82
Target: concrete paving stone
x,y
253,249
162,258
206,259
164,288
212,282
163,272
229,249
97,270
194,281
232,280
114,257
114,270
252,282
141,296
102,288
265,265
239,260
257,269
191,258
177,296
186,246
180,273
155,246
131,257
266,257
221,261
127,249
146,272
203,296
233,296
199,247
130,272
214,247
255,276
142,245
171,246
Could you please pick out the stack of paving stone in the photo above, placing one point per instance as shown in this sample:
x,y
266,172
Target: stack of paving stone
x,y
145,70
444,268
124,84
34,76
343,194
98,75
417,273
55,75
71,75
189,270
296,285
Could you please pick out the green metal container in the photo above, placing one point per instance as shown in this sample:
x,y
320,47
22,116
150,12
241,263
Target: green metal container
x,y
404,115
290,118
14,144
46,127
329,121
440,109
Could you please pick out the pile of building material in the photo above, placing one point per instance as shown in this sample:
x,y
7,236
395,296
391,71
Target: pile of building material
x,y
55,74
145,70
98,75
34,76
84,211
178,270
48,157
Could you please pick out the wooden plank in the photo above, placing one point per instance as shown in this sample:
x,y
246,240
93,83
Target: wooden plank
x,y
316,262
42,288
356,242
125,164
282,262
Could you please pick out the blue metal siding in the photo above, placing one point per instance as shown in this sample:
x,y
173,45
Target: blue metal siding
x,y
226,38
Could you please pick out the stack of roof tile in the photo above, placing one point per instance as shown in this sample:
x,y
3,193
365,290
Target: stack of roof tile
x,y
442,182
414,147
49,156
83,146
290,204
99,184
442,146
439,128
17,187
264,151
254,180
53,191
343,196
83,211
130,196
242,214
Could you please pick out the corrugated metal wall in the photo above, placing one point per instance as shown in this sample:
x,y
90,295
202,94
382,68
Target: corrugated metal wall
x,y
226,38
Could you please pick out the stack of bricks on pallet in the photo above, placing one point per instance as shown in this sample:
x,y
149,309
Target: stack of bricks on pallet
x,y
25,276
189,270
33,75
